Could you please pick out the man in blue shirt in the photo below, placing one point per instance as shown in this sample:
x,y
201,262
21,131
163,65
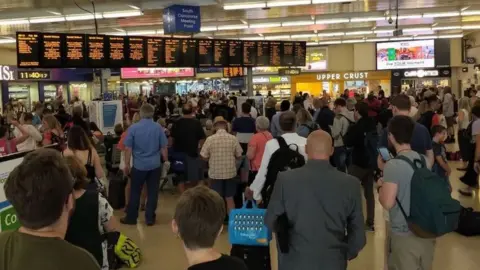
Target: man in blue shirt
x,y
145,141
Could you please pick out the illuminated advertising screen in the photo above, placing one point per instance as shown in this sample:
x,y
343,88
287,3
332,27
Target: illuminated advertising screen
x,y
316,59
155,73
406,54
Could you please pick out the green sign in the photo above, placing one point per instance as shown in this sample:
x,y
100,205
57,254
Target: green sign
x,y
8,219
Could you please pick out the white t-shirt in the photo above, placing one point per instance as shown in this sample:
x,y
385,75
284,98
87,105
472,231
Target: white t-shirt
x,y
31,142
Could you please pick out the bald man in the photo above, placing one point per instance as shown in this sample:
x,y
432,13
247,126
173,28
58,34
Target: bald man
x,y
321,204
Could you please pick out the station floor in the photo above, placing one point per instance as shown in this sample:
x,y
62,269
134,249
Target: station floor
x,y
163,251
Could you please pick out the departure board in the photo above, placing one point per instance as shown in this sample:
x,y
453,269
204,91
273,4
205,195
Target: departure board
x,y
249,53
300,53
288,58
220,53
189,52
263,53
205,53
172,52
116,51
74,51
136,49
235,56
231,72
96,51
52,50
275,53
28,49
155,52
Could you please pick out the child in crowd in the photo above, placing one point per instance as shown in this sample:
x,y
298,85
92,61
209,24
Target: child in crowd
x,y
441,167
198,221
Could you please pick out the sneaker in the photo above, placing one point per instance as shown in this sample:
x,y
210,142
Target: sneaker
x,y
466,192
127,222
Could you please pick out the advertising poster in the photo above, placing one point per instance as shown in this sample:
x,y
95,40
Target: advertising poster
x,y
156,73
106,114
8,218
316,59
406,54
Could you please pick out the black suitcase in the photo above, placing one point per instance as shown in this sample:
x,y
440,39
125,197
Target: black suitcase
x,y
116,190
469,222
256,258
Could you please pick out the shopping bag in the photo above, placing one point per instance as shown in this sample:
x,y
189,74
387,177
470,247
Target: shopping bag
x,y
247,226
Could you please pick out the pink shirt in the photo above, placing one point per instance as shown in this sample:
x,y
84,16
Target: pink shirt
x,y
258,141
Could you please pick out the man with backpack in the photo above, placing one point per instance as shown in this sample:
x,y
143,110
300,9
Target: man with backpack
x,y
419,202
362,137
341,123
323,115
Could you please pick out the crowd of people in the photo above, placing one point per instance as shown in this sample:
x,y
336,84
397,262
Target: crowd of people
x,y
223,154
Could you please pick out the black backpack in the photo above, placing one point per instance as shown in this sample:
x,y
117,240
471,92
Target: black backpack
x,y
283,159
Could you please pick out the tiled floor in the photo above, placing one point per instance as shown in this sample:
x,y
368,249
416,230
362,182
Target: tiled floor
x,y
163,251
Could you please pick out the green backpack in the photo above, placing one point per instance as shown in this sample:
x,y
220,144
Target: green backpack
x,y
433,211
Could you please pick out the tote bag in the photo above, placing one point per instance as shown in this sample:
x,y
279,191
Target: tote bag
x,y
247,227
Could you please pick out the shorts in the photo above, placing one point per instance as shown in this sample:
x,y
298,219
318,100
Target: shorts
x,y
226,188
450,121
194,168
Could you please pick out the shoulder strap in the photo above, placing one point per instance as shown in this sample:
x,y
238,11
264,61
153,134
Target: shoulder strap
x,y
281,142
89,159
413,164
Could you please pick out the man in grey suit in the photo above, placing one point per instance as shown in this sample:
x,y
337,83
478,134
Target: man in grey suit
x,y
324,210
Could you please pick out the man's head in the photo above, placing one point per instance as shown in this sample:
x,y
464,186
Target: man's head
x,y
401,105
361,110
400,130
147,111
118,129
246,108
288,121
40,190
339,105
187,109
39,109
220,123
439,133
27,118
319,145
285,105
198,218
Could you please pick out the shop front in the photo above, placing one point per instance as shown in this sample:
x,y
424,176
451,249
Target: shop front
x,y
419,78
335,83
279,86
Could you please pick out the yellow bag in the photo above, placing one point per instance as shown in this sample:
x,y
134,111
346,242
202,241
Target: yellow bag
x,y
128,252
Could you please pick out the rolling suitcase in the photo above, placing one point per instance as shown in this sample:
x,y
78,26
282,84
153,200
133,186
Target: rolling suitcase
x,y
116,190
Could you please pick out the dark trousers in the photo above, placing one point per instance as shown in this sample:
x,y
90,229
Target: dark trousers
x,y
139,178
365,176
470,178
340,158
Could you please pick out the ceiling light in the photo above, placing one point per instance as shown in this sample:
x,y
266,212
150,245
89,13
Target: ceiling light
x,y
208,28
404,17
14,21
121,14
353,41
384,31
160,32
304,36
358,33
367,19
297,23
425,37
376,39
277,37
82,17
312,43
54,12
470,12
7,40
437,28
329,42
47,19
244,6
451,36
252,38
332,21
114,33
264,25
288,3
134,7
331,1
441,14
419,29
400,38
467,27
331,34
232,27
141,33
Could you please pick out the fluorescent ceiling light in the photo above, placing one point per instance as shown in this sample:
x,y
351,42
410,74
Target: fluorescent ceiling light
x,y
277,37
208,28
441,14
437,28
298,23
115,33
384,31
304,36
419,29
7,41
312,43
376,39
288,3
401,38
134,7
353,41
329,42
331,1
264,25
14,21
358,33
404,17
232,27
367,19
451,36
331,34
244,6
141,32
160,32
425,37
332,21
470,12
82,17
47,19
120,14
252,38
54,12
467,27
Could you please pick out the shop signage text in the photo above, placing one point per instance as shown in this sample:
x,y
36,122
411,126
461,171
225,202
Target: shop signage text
x,y
342,76
421,73
6,73
273,79
181,19
288,71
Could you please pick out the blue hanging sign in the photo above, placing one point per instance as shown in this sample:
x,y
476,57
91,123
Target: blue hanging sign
x,y
181,19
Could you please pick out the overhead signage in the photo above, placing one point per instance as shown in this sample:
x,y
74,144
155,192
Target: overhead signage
x,y
155,73
406,54
7,73
45,50
34,75
421,73
233,72
342,76
288,71
271,79
181,19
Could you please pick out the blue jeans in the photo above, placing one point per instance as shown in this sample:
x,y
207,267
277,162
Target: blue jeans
x,y
340,158
139,178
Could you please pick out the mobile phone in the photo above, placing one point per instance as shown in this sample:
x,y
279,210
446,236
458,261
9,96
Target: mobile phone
x,y
384,153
